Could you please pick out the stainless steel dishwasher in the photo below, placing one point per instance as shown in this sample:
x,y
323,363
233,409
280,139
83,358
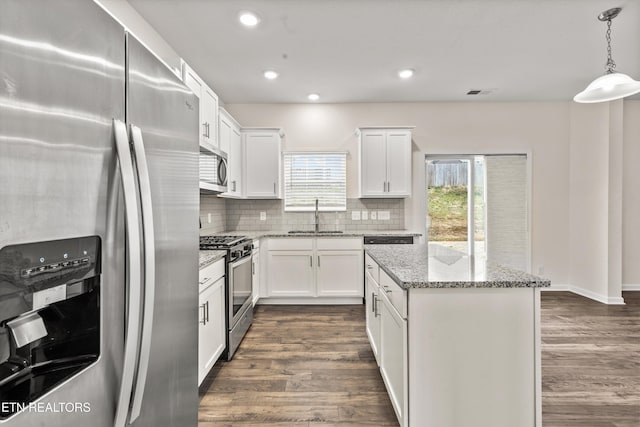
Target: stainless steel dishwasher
x,y
388,240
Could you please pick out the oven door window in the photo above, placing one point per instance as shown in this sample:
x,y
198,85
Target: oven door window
x,y
240,283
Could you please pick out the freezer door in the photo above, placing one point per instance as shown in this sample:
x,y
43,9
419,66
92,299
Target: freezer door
x,y
163,113
61,85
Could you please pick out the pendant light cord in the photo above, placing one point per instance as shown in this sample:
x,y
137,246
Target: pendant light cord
x,y
610,65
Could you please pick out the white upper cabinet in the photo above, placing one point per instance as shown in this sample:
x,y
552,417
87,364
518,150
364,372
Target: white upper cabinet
x,y
208,106
231,143
385,162
262,162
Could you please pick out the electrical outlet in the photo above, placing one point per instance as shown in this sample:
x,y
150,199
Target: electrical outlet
x,y
209,217
384,215
263,216
364,215
355,215
374,215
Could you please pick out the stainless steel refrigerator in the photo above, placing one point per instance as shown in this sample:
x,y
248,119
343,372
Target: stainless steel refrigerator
x,y
99,208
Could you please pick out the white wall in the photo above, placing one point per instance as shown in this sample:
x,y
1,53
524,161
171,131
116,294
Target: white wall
x,y
589,191
631,196
539,128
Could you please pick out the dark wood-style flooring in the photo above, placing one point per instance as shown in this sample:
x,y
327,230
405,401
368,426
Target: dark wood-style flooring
x,y
309,366
590,361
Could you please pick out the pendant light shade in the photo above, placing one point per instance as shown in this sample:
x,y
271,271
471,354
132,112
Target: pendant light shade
x,y
612,85
607,88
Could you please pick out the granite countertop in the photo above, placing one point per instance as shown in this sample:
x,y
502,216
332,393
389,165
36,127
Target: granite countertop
x,y
285,233
435,266
209,257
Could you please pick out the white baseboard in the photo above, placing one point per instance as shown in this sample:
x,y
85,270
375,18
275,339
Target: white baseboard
x,y
605,299
631,287
563,288
590,294
311,301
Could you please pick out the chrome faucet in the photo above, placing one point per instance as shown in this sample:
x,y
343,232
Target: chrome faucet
x,y
317,218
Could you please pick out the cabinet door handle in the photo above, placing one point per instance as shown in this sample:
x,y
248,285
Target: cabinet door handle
x,y
369,267
373,302
384,186
375,306
274,188
203,280
204,316
207,311
388,186
253,268
310,261
233,186
204,130
386,289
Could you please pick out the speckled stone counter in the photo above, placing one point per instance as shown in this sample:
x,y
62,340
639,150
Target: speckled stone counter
x,y
345,233
413,266
209,257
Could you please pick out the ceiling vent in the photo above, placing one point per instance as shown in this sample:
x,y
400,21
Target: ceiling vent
x,y
480,91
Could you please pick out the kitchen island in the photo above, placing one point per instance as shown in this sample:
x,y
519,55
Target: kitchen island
x,y
457,338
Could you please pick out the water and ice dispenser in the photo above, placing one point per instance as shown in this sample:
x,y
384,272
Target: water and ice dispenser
x,y
49,316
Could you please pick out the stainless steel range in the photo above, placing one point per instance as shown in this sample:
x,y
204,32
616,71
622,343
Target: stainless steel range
x,y
239,305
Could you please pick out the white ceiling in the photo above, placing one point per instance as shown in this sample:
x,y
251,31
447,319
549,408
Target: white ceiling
x,y
350,50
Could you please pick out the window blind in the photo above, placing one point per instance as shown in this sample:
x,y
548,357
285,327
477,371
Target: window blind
x,y
311,176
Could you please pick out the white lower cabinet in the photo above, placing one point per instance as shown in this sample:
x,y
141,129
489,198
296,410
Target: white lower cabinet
x,y
290,273
255,271
314,268
393,357
339,273
211,317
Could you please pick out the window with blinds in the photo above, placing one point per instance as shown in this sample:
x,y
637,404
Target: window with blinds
x,y
311,176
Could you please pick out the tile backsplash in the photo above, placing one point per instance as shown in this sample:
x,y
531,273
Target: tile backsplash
x,y
213,214
245,215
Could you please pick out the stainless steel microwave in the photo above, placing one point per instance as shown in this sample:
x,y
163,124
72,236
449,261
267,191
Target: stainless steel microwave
x,y
213,171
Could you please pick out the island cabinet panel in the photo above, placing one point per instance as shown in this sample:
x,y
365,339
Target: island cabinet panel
x,y
393,357
473,357
372,302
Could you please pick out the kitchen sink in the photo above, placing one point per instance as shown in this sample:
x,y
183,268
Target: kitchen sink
x,y
315,232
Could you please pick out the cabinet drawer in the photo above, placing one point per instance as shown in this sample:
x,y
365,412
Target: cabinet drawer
x,y
338,244
292,243
372,268
210,274
396,295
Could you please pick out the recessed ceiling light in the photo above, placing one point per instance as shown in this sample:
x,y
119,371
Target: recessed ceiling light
x,y
313,97
406,73
249,19
270,75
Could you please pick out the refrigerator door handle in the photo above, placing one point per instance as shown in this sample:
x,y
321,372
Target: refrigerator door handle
x,y
134,271
149,270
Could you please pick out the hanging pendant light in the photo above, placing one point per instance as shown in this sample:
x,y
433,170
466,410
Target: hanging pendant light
x,y
612,85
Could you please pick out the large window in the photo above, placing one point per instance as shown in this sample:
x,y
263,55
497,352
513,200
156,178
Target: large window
x,y
315,175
